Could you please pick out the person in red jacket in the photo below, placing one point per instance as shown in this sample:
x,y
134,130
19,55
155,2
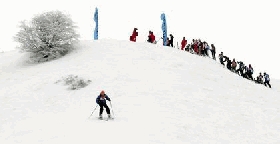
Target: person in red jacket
x,y
195,46
183,43
151,37
134,35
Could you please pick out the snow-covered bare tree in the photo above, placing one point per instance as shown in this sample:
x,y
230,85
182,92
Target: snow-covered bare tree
x,y
49,35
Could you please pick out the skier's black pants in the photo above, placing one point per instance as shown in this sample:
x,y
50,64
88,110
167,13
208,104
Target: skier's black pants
x,y
101,105
171,43
213,54
240,72
249,74
267,82
221,61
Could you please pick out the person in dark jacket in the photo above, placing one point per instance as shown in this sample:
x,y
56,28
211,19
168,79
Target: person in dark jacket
x,y
266,79
221,58
101,101
240,70
250,72
171,40
228,62
259,79
213,51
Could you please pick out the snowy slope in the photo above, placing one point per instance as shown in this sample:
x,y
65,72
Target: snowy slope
x,y
159,95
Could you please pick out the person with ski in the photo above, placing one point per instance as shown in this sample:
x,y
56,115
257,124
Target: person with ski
x,y
101,101
134,35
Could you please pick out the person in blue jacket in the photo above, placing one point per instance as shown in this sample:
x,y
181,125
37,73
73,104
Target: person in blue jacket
x,y
266,79
101,101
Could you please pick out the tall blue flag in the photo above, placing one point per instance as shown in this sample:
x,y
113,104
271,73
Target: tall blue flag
x,y
96,24
164,29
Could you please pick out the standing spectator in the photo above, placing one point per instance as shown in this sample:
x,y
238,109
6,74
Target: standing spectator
x,y
213,51
207,49
221,58
183,43
241,68
171,40
195,46
246,71
134,35
260,79
233,65
168,42
228,62
151,37
250,72
266,79
200,45
203,53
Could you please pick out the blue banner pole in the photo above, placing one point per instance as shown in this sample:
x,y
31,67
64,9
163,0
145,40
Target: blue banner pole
x,y
96,24
164,29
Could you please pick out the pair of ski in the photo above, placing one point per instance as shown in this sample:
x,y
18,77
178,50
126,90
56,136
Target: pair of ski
x,y
106,119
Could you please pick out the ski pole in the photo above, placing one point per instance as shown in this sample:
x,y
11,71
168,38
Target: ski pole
x,y
112,108
93,111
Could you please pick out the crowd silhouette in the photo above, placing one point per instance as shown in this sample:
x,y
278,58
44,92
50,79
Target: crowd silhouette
x,y
202,48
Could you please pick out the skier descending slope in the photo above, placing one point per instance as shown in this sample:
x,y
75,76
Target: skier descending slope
x,y
101,101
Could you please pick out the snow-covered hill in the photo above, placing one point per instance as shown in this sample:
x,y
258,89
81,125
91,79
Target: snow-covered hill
x,y
159,95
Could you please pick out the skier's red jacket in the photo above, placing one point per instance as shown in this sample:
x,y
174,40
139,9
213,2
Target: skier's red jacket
x,y
134,35
183,44
152,37
195,47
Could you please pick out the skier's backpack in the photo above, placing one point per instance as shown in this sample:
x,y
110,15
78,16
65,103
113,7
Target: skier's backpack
x,y
251,70
267,77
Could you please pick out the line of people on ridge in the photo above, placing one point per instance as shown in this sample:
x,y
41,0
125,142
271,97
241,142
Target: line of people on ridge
x,y
244,71
196,47
203,49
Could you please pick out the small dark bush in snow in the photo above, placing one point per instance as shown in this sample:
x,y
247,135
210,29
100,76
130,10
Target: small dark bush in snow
x,y
75,82
49,35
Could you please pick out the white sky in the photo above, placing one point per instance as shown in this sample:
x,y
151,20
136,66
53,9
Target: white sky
x,y
243,29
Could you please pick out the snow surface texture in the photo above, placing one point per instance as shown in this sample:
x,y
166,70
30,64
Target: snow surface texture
x,y
159,95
